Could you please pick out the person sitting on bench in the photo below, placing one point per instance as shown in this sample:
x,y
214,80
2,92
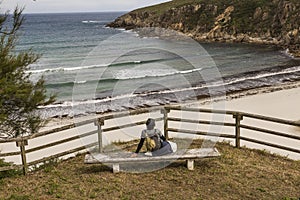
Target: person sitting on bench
x,y
156,143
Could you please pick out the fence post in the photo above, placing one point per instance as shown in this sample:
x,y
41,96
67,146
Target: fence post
x,y
22,145
165,112
99,123
238,118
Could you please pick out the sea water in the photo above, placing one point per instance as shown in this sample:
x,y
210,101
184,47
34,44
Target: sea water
x,y
67,45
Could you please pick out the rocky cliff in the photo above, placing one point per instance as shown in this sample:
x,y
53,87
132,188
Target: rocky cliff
x,y
275,22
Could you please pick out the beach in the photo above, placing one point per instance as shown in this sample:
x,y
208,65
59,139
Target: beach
x,y
281,101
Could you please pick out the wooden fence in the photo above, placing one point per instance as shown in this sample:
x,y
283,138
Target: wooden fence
x,y
238,125
233,120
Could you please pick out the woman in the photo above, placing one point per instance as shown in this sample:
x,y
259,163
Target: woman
x,y
162,148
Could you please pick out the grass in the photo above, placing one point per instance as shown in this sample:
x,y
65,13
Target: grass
x,y
8,173
163,7
242,20
237,174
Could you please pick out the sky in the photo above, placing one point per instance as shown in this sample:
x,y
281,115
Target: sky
x,y
59,6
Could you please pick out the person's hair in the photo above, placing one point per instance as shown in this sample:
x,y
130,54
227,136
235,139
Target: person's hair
x,y
150,123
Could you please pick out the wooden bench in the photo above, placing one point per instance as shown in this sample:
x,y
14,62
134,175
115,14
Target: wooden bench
x,y
115,159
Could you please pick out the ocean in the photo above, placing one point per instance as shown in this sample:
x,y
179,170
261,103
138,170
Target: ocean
x,y
95,69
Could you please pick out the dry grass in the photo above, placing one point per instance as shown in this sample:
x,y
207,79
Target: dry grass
x,y
237,174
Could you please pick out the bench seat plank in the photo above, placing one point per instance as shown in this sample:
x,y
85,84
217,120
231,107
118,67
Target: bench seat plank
x,y
124,157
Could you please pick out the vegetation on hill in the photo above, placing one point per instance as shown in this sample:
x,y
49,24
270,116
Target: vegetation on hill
x,y
237,174
253,21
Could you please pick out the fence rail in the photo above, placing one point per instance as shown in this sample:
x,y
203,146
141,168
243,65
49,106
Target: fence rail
x,y
236,135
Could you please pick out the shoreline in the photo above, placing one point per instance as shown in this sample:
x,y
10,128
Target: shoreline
x,y
289,50
205,102
277,102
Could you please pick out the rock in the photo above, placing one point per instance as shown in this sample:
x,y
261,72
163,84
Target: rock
x,y
221,22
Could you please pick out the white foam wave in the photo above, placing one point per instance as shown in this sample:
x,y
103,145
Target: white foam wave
x,y
80,82
221,83
88,102
286,71
120,29
61,69
137,74
93,22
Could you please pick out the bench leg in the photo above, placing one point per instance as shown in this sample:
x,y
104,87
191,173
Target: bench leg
x,y
116,168
190,164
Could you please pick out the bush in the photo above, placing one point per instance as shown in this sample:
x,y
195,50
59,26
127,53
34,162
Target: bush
x,y
8,173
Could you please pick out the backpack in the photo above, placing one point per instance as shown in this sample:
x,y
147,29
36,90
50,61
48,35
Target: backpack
x,y
153,143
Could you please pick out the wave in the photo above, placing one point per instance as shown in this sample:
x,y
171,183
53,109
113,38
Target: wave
x,y
123,77
135,74
242,78
131,74
262,74
93,22
71,83
231,80
62,69
80,82
78,68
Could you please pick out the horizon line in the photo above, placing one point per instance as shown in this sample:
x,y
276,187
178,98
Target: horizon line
x,y
75,12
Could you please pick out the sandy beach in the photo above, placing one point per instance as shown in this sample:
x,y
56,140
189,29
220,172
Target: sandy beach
x,y
280,101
